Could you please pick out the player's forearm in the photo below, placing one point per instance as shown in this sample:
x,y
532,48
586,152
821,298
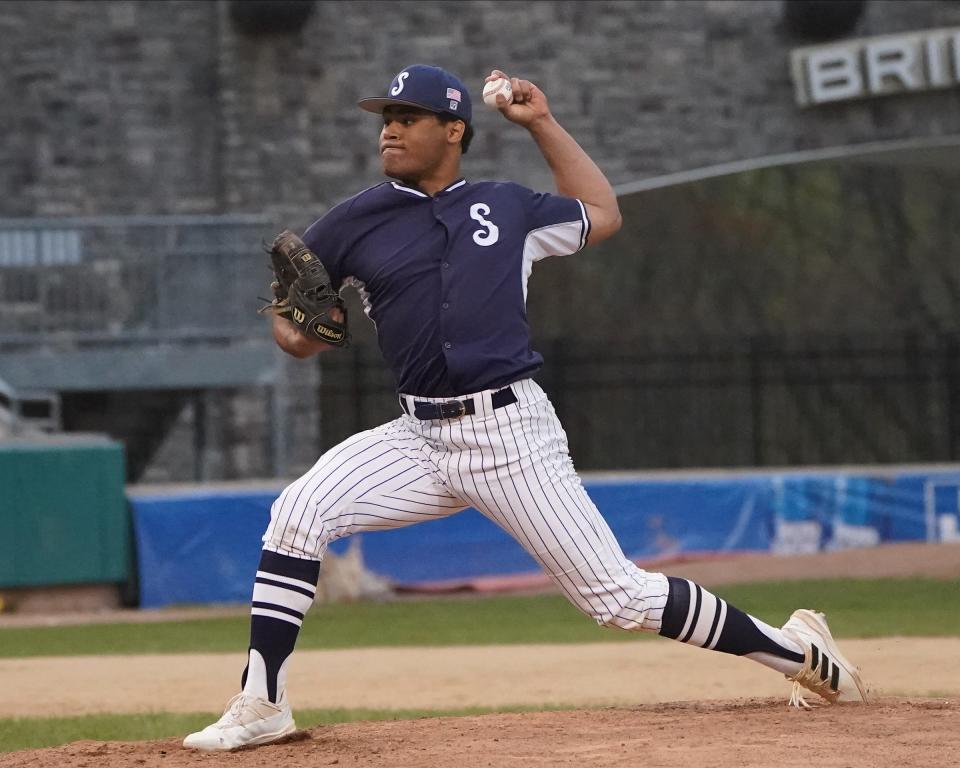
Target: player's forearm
x,y
294,343
576,175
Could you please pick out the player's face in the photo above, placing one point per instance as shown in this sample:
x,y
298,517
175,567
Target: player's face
x,y
413,143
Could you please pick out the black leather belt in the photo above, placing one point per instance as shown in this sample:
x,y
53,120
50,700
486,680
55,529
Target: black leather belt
x,y
454,409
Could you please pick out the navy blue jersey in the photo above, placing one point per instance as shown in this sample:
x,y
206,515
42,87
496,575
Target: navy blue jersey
x,y
444,278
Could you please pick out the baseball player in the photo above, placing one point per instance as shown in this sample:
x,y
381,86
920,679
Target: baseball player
x,y
442,264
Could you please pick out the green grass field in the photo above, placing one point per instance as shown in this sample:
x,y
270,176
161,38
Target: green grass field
x,y
855,608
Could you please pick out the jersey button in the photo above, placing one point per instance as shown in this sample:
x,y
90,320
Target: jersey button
x,y
445,305
446,265
447,345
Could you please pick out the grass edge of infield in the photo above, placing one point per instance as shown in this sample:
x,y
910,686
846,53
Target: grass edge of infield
x,y
27,733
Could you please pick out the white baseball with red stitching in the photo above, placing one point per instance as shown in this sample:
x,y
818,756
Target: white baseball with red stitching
x,y
499,87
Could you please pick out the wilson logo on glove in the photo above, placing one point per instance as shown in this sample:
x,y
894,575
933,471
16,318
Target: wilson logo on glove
x,y
328,333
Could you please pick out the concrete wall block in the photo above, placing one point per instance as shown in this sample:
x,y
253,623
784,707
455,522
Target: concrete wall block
x,y
158,107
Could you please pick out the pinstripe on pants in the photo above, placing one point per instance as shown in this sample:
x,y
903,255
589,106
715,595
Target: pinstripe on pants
x,y
510,463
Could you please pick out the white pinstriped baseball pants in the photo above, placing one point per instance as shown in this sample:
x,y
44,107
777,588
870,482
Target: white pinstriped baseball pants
x,y
510,463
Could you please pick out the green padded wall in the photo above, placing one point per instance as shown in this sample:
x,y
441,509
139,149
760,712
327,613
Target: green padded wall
x,y
63,514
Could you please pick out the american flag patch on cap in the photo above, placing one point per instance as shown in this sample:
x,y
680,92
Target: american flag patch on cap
x,y
453,93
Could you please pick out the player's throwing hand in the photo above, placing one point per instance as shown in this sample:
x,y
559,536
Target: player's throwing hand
x,y
529,102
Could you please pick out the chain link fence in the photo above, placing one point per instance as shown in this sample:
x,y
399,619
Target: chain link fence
x,y
668,403
118,277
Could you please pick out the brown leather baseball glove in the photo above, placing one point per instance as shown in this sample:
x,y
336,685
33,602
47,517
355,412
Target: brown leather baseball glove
x,y
303,293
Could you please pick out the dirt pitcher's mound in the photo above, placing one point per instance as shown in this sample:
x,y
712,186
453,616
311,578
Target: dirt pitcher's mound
x,y
761,733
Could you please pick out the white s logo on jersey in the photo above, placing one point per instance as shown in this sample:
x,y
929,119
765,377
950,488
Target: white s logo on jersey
x,y
395,91
490,232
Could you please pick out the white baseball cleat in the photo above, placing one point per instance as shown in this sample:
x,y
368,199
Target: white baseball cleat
x,y
825,670
248,721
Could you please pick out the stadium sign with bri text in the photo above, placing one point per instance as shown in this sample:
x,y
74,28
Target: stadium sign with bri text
x,y
876,66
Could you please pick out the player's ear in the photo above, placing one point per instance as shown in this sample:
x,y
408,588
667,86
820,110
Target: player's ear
x,y
455,129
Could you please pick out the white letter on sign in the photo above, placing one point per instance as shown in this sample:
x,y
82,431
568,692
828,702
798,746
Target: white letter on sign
x,y
955,54
933,48
833,75
892,58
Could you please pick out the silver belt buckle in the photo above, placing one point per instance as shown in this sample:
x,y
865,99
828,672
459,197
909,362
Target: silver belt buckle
x,y
446,413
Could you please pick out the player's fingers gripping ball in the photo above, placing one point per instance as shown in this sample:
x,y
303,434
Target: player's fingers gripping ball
x,y
498,93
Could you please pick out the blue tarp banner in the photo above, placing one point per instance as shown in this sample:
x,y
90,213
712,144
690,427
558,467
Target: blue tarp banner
x,y
204,547
198,548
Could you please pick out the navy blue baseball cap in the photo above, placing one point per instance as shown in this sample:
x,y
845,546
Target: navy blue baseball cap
x,y
430,88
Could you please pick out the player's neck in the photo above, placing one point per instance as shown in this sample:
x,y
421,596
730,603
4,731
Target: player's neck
x,y
437,180
429,186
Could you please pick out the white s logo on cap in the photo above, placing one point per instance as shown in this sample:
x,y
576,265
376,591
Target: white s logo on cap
x,y
395,91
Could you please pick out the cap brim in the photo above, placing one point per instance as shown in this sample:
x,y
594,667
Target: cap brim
x,y
376,105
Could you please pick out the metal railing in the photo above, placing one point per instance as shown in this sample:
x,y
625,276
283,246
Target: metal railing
x,y
143,276
27,411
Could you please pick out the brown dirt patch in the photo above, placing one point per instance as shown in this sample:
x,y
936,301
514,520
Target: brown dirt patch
x,y
936,561
590,674
741,721
751,734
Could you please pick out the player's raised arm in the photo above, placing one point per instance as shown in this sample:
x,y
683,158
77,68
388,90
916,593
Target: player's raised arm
x,y
574,173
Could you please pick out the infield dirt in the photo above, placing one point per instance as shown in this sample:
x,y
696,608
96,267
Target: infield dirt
x,y
747,734
675,705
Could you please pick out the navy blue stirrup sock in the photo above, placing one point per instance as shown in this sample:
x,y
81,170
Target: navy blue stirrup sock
x,y
282,594
695,616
